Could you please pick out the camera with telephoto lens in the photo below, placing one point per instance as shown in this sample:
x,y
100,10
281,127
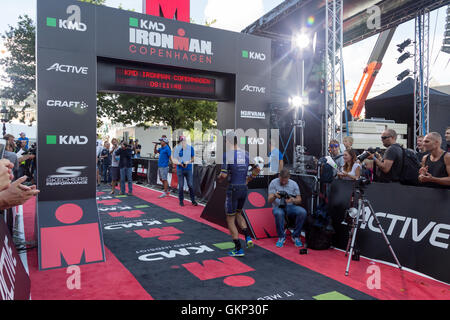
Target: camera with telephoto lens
x,y
283,196
363,156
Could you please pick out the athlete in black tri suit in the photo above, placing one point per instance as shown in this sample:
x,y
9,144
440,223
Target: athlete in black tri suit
x,y
235,168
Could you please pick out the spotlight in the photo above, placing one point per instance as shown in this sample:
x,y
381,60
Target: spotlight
x,y
296,101
404,74
403,45
403,57
300,41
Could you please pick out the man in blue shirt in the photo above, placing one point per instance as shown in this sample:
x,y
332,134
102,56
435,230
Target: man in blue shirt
x,y
24,138
183,157
125,166
235,169
163,164
275,159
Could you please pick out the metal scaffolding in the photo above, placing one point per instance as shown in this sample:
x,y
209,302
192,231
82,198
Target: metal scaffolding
x,y
421,74
334,70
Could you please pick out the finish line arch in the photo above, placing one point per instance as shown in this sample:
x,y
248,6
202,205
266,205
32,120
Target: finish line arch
x,y
83,49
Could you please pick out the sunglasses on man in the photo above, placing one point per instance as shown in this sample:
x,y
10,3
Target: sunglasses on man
x,y
334,145
385,137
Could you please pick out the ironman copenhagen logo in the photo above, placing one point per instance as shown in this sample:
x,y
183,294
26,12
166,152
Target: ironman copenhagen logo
x,y
149,38
73,22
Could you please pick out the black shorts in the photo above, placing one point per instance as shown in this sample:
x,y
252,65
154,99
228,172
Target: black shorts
x,y
235,199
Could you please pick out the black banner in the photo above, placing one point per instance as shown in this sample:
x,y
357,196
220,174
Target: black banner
x,y
14,280
415,220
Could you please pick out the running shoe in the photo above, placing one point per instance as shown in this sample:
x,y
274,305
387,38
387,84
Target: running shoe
x,y
163,195
297,242
280,242
249,241
236,253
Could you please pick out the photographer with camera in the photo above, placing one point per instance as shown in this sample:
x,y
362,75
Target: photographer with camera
x,y
390,165
284,195
126,167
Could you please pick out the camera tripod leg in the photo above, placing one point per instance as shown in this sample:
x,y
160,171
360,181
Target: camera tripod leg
x,y
372,212
360,211
350,235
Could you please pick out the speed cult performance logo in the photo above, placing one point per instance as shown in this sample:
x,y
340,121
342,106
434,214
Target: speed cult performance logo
x,y
67,176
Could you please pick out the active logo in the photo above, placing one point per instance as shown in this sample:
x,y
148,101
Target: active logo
x,y
67,176
253,55
253,114
67,104
254,89
54,139
73,22
65,68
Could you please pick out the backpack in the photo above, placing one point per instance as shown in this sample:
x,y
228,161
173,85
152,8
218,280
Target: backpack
x,y
410,167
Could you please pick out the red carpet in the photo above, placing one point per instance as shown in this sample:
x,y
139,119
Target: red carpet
x,y
108,280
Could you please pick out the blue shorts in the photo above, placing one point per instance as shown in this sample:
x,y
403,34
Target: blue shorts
x,y
235,199
163,172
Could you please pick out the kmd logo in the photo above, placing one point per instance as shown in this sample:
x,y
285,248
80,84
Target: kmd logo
x,y
67,104
68,69
73,22
67,176
51,139
254,89
253,55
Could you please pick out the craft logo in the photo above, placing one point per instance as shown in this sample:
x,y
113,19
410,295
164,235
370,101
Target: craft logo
x,y
253,55
7,271
67,104
253,114
148,38
73,22
52,139
254,89
64,68
67,176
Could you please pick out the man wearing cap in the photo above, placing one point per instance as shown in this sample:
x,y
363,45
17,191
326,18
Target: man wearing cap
x,y
183,157
24,138
163,163
235,169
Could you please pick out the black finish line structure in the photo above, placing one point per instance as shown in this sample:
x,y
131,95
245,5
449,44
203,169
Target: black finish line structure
x,y
83,49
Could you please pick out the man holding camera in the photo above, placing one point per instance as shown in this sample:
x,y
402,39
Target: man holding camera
x,y
390,166
163,163
284,194
125,167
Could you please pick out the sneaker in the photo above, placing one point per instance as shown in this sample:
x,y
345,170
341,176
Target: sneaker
x,y
194,203
236,253
182,203
163,195
297,242
249,242
280,242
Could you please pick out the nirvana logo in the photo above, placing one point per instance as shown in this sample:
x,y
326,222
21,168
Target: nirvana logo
x,y
73,22
149,38
253,114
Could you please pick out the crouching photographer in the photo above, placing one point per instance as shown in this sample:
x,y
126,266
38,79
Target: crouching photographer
x,y
284,194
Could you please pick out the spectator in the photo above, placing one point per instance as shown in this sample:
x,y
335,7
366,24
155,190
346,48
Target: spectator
x,y
335,153
435,170
132,148
23,137
115,171
447,138
276,163
106,157
99,148
390,165
420,149
183,157
15,193
163,163
351,169
348,142
291,211
126,167
10,153
137,149
347,112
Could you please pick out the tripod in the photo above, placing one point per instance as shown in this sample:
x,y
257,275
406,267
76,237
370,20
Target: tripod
x,y
362,204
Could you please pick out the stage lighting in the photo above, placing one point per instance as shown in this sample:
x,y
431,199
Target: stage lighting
x,y
403,45
403,57
404,74
296,101
300,41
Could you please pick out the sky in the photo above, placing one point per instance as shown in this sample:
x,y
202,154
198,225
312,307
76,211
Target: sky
x,y
355,56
